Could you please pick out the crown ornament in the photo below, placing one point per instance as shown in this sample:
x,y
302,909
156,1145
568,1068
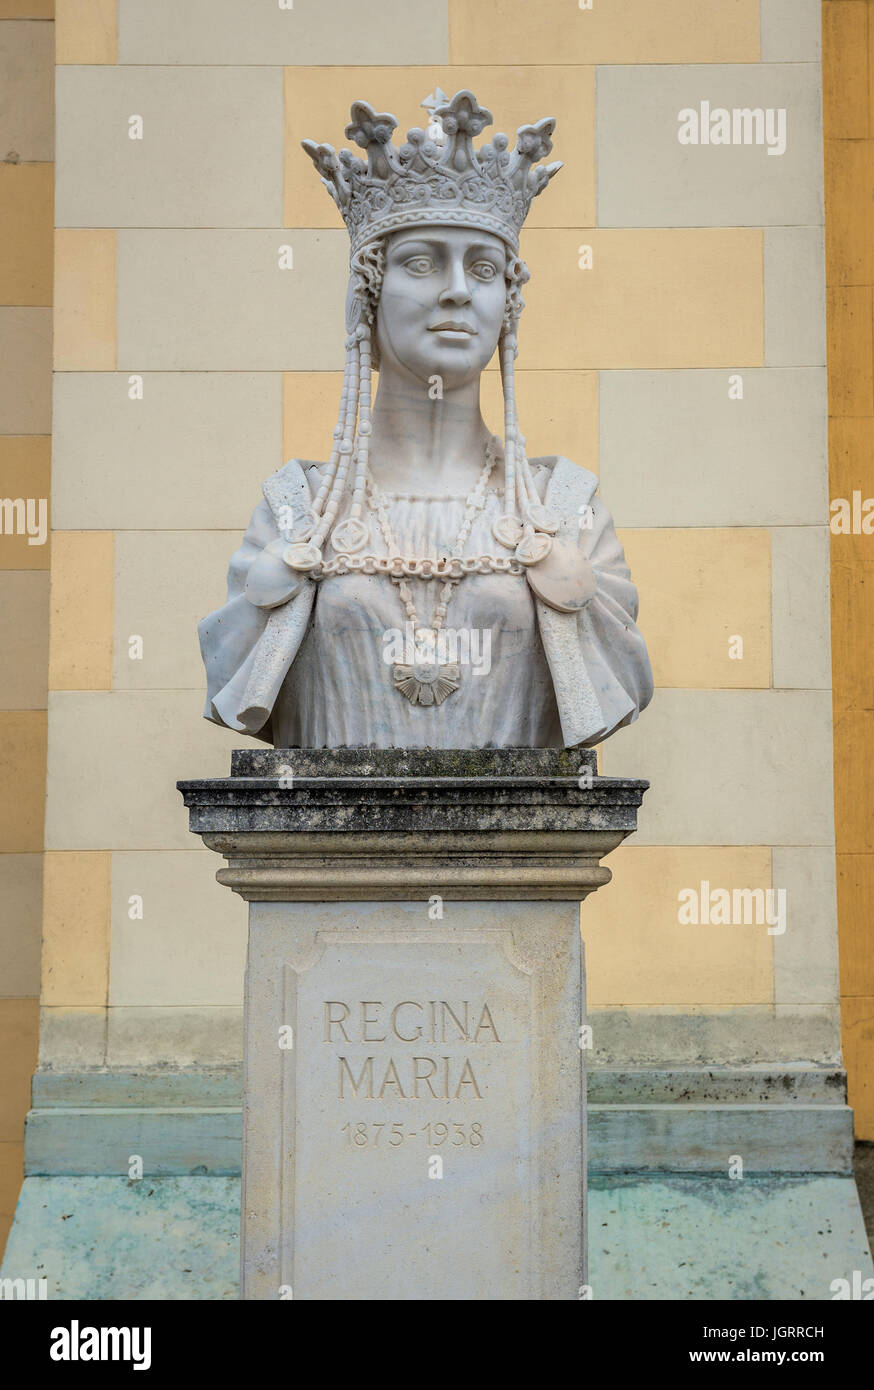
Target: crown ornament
x,y
422,183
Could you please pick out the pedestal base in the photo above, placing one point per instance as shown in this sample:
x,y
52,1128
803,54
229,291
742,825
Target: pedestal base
x,y
413,1114
413,1097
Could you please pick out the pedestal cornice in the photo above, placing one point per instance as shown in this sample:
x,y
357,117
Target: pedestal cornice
x,y
357,824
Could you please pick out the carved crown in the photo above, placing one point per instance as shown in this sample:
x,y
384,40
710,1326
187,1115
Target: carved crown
x,y
423,183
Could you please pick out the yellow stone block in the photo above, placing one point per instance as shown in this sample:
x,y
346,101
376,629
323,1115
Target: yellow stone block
x,y
11,1177
855,889
317,102
849,166
850,332
80,633
27,9
76,927
673,298
22,780
86,31
705,605
857,1020
637,951
85,269
26,223
19,1034
25,476
854,791
558,412
845,70
310,401
635,31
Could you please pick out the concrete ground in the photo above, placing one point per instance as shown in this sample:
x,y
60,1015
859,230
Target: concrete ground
x,y
656,1237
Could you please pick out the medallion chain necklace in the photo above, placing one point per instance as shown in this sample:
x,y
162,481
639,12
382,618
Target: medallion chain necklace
x,y
425,679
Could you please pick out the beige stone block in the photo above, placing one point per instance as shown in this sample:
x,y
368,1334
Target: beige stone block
x,y
790,30
558,412
24,638
191,452
730,767
197,300
553,31
227,32
678,449
26,379
739,1035
639,954
647,178
156,963
705,284
806,954
210,153
22,780
795,297
800,606
80,648
165,582
26,219
26,90
19,1033
70,1039
117,758
76,928
702,590
25,475
179,1037
85,294
20,923
87,31
516,95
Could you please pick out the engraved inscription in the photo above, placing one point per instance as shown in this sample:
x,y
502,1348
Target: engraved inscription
x,y
411,1023
363,1135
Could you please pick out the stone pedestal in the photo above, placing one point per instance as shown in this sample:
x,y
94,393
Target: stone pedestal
x,y
414,1095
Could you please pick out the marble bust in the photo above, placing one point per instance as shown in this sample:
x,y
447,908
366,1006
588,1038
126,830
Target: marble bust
x,y
429,585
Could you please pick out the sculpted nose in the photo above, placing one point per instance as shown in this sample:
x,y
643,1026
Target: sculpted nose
x,y
456,292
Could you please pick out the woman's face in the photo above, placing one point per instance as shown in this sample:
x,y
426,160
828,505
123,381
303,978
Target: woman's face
x,y
442,303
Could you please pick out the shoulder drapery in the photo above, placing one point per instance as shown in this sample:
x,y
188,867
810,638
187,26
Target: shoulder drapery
x,y
597,658
247,651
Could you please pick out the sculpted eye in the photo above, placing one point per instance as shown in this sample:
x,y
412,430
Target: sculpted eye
x,y
419,265
485,270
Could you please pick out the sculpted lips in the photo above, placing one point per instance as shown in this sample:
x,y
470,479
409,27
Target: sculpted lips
x,y
452,326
